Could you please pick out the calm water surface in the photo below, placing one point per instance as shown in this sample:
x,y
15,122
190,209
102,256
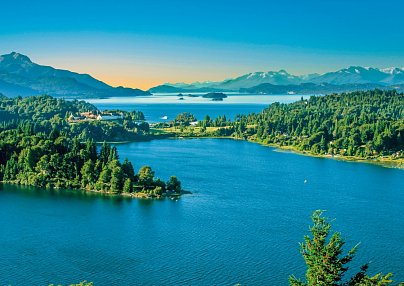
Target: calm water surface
x,y
157,106
249,209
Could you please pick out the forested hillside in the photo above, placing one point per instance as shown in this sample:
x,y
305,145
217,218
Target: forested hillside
x,y
45,113
40,147
363,124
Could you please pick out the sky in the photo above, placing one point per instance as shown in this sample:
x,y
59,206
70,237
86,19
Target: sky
x,y
146,43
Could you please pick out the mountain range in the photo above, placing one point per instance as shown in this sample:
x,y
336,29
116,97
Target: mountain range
x,y
20,76
351,78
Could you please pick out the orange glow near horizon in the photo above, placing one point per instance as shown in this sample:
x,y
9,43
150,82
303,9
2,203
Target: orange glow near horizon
x,y
144,62
139,75
145,82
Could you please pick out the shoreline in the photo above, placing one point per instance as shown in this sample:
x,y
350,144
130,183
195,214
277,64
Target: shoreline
x,y
380,161
133,195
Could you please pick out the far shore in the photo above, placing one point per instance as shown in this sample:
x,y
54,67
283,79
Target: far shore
x,y
384,161
381,160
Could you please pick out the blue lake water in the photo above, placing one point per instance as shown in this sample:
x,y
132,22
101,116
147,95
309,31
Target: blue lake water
x,y
157,106
249,209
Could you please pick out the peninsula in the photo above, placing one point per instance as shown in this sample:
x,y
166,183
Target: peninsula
x,y
363,126
50,143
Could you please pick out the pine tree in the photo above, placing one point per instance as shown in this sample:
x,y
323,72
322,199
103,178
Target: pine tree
x,y
91,150
87,174
11,169
104,179
127,186
174,185
54,134
146,176
116,180
104,153
325,263
27,160
128,169
113,154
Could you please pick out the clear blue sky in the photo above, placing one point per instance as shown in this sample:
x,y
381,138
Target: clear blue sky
x,y
142,43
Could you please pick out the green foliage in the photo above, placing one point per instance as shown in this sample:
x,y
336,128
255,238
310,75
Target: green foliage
x,y
325,261
83,283
146,177
49,115
104,179
38,147
87,174
174,185
67,163
43,107
362,124
127,186
184,119
128,170
116,177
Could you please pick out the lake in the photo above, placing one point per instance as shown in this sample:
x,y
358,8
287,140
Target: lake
x,y
249,209
157,106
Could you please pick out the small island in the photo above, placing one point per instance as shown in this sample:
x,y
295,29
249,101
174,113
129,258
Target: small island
x,y
215,96
188,95
362,126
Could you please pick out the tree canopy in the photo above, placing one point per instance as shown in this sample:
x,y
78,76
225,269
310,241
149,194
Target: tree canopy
x,y
363,124
45,114
38,147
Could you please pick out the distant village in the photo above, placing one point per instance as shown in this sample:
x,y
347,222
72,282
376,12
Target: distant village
x,y
90,116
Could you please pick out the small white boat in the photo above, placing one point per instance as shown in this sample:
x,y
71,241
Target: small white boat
x,y
165,117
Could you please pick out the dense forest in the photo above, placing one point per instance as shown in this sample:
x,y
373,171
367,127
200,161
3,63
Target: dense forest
x,y
44,113
363,124
56,161
39,147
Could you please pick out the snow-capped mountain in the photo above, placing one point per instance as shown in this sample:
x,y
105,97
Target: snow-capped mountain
x,y
20,76
281,77
393,70
352,75
356,75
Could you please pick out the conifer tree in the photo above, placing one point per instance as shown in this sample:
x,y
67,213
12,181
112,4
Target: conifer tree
x,y
325,261
128,169
127,186
116,180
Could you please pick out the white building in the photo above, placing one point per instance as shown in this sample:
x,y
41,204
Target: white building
x,y
107,117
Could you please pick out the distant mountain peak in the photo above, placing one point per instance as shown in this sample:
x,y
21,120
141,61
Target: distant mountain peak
x,y
347,76
15,57
354,69
393,70
20,76
282,71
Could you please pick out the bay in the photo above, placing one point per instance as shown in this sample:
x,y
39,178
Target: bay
x,y
159,106
249,209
